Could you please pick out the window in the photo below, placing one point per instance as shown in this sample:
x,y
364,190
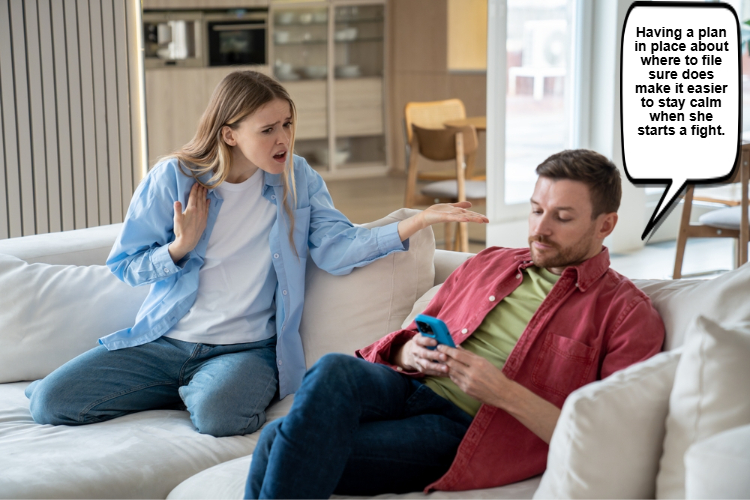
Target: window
x,y
539,61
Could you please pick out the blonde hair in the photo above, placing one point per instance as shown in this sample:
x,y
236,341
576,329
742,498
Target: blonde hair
x,y
237,96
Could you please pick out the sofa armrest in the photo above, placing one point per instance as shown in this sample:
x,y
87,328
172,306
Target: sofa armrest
x,y
446,262
80,247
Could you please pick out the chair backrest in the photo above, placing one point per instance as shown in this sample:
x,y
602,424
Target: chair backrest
x,y
432,114
439,144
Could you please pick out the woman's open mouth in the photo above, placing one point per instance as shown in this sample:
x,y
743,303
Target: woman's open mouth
x,y
280,157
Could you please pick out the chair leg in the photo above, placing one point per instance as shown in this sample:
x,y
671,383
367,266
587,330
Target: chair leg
x,y
682,236
463,239
411,179
448,236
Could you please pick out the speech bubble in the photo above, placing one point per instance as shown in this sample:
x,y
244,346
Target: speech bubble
x,y
680,97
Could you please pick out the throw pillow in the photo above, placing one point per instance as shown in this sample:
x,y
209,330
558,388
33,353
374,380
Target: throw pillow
x,y
50,314
717,467
344,313
680,301
711,394
607,442
420,305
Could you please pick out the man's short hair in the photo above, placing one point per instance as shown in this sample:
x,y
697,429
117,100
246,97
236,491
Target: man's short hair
x,y
595,170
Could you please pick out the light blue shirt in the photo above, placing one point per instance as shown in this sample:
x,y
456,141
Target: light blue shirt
x,y
140,256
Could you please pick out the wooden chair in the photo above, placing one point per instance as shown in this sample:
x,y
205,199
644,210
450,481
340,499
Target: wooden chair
x,y
442,145
433,114
730,222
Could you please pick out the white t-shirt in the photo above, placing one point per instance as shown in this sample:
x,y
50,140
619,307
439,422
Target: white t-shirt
x,y
235,301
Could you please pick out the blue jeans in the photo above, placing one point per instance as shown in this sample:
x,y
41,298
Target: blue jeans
x,y
356,428
226,388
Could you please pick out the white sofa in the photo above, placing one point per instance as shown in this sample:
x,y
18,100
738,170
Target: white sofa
x,y
617,438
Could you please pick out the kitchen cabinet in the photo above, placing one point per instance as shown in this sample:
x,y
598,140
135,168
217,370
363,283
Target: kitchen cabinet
x,y
330,55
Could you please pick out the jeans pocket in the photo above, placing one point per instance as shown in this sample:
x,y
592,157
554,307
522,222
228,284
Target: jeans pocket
x,y
563,365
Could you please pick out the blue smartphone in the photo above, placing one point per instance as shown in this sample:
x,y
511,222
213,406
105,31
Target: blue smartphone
x,y
434,328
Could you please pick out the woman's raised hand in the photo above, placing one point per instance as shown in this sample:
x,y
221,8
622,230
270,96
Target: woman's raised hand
x,y
442,212
190,224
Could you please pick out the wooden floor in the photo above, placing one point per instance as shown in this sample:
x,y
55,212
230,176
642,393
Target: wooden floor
x,y
366,200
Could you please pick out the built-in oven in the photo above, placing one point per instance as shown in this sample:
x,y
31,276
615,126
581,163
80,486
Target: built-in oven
x,y
236,38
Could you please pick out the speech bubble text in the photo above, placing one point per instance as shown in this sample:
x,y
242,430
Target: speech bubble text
x,y
680,96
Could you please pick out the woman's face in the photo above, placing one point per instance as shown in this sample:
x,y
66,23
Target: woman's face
x,y
261,140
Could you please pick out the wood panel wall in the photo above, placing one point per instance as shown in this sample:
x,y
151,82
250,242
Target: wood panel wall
x,y
71,120
418,47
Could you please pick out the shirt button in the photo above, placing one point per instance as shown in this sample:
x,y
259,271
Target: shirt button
x,y
518,276
279,362
166,270
398,368
576,285
273,196
284,292
464,331
275,256
492,298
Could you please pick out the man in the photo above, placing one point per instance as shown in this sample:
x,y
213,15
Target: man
x,y
532,326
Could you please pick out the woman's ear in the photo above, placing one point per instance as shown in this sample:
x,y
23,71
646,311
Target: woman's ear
x,y
228,135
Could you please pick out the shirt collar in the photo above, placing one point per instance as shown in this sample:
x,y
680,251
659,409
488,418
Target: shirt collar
x,y
272,179
586,273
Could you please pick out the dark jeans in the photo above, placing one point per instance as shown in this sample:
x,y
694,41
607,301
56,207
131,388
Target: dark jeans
x,y
356,428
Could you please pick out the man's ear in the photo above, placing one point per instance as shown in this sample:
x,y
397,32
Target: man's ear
x,y
228,135
607,224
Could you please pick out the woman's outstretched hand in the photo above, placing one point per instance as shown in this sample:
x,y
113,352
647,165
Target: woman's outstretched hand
x,y
442,212
190,224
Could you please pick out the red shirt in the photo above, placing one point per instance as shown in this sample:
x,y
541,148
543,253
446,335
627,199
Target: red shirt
x,y
593,323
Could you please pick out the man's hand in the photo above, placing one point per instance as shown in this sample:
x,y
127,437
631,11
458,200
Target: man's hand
x,y
415,356
474,375
481,380
189,225
442,212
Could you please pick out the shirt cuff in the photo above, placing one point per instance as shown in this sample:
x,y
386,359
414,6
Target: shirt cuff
x,y
163,263
389,240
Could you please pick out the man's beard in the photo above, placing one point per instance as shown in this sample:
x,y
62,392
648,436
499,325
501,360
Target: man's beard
x,y
561,256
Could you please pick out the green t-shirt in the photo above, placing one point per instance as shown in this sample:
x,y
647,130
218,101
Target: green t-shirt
x,y
499,332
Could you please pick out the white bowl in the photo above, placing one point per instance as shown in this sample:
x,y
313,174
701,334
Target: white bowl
x,y
345,35
348,71
339,157
285,18
315,72
321,16
281,36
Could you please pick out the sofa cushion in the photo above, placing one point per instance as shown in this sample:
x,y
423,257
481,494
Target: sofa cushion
x,y
227,480
594,452
144,455
344,313
49,314
679,301
711,394
717,467
79,247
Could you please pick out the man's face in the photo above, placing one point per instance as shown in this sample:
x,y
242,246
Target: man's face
x,y
561,231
